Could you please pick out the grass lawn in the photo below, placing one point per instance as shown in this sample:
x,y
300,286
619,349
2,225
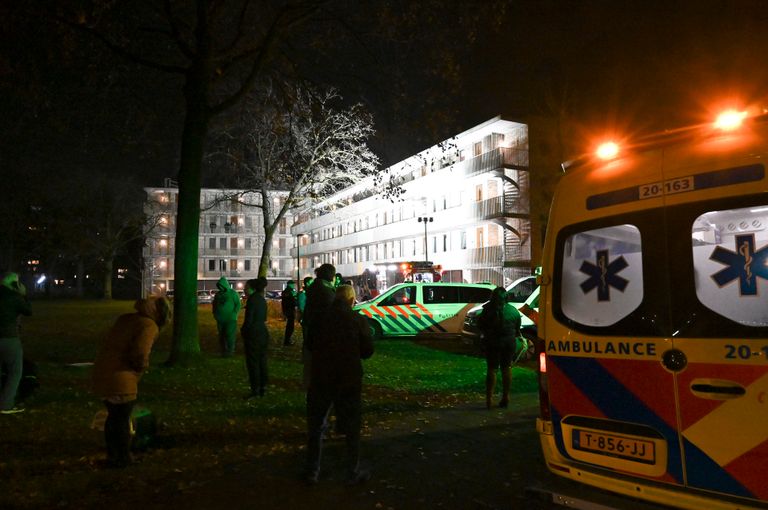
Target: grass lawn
x,y
48,455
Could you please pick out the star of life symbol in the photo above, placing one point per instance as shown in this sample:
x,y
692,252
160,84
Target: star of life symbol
x,y
744,264
603,275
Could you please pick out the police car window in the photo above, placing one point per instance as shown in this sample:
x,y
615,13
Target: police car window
x,y
602,275
436,295
474,294
402,296
730,261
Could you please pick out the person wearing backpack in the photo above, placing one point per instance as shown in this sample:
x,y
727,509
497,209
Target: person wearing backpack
x,y
499,323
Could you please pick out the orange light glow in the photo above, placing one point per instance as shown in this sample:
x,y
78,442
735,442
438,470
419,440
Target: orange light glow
x,y
607,150
543,363
730,120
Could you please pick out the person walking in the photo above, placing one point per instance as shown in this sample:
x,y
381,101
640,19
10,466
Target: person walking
x,y
288,304
226,306
319,298
120,363
338,345
499,323
256,336
13,304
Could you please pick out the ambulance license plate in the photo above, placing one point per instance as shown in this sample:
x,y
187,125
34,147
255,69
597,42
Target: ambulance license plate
x,y
614,445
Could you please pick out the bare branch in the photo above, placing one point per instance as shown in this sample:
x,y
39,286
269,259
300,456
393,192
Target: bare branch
x,y
123,52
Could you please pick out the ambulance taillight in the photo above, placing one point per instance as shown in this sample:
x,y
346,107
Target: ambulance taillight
x,y
544,411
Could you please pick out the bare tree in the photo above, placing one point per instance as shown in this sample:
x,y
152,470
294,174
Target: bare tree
x,y
304,143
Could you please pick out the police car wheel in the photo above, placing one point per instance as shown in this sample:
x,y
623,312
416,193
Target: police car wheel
x,y
376,333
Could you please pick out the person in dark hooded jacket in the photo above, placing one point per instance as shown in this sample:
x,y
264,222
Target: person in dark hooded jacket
x,y
499,323
256,336
120,363
226,307
339,344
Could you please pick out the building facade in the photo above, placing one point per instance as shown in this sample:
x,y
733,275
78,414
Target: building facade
x,y
471,194
230,243
464,206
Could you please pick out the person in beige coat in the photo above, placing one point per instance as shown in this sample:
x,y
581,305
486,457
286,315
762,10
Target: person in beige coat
x,y
122,359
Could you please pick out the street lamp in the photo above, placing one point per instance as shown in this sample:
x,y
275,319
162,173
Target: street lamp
x,y
425,220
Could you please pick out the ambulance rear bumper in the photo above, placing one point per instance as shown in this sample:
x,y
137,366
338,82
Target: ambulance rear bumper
x,y
669,495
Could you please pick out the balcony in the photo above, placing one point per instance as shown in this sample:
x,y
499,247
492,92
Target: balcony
x,y
502,157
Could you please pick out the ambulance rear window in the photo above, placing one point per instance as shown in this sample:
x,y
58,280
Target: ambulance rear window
x,y
602,275
730,261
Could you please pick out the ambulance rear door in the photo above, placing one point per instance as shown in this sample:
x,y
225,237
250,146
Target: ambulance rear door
x,y
612,401
719,296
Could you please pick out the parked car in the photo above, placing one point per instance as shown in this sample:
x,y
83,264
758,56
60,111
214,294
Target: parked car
x,y
272,294
423,309
524,294
204,296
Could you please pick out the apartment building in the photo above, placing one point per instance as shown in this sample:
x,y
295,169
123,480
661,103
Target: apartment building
x,y
230,243
464,206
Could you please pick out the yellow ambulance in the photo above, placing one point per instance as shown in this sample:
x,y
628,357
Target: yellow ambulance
x,y
653,318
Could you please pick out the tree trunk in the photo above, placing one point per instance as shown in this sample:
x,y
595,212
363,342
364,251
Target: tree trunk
x,y
108,266
269,232
185,346
265,251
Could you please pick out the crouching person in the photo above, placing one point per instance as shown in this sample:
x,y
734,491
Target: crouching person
x,y
339,342
122,359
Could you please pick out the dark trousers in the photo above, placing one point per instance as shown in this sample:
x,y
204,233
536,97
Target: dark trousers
x,y
117,432
256,364
289,326
347,404
11,362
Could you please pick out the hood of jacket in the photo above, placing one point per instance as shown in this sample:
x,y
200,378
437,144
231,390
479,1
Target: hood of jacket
x,y
223,284
153,308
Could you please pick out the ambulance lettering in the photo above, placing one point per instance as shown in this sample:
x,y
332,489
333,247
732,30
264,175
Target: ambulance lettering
x,y
625,348
745,264
604,275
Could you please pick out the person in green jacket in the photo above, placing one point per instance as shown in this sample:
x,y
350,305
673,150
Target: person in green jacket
x,y
499,322
13,303
226,306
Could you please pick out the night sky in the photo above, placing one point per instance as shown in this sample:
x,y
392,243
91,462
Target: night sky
x,y
635,67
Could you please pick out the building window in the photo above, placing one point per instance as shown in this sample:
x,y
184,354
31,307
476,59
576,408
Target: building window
x,y
463,240
479,193
248,242
211,265
247,264
477,148
414,246
222,265
222,243
445,242
212,243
